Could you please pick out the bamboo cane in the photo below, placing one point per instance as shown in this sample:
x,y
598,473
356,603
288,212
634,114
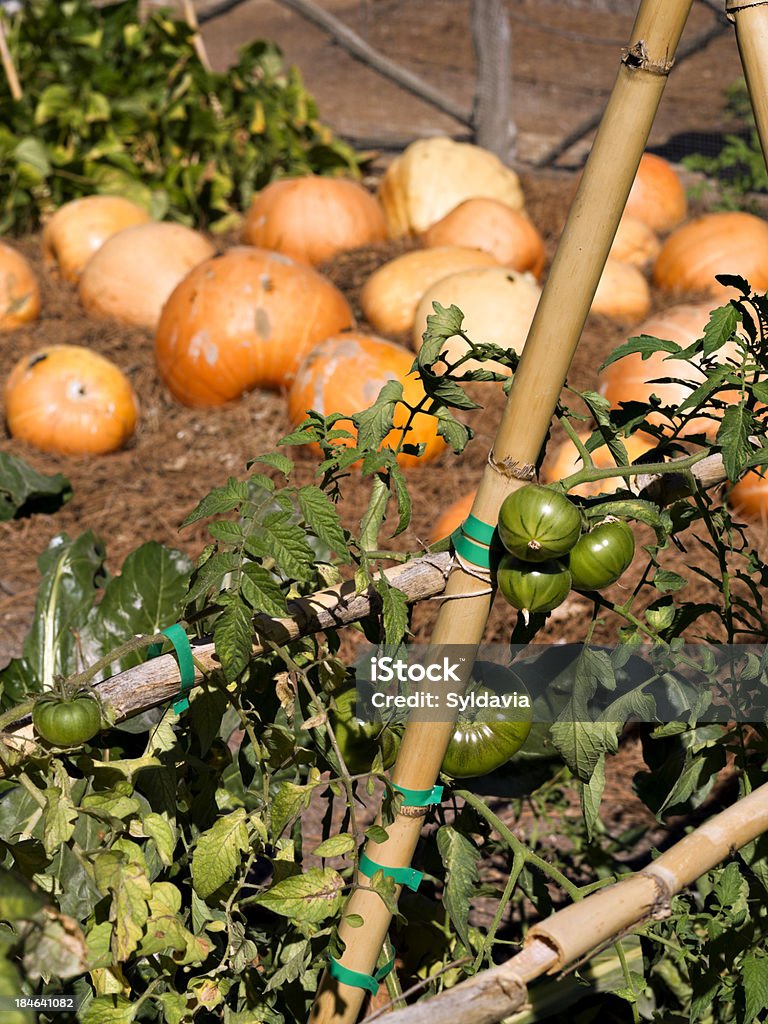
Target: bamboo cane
x,y
751,20
10,68
197,40
573,933
536,387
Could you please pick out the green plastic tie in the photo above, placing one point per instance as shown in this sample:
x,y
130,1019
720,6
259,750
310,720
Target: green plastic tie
x,y
476,529
419,797
370,982
183,649
472,552
403,876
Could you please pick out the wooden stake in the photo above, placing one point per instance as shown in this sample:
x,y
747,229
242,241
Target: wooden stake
x,y
10,69
751,20
535,390
197,40
573,933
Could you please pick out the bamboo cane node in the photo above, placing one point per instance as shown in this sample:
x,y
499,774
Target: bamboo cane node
x,y
636,57
413,812
732,6
666,887
510,468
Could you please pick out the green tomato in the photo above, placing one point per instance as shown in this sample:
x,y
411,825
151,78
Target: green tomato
x,y
485,739
537,523
359,741
67,723
533,588
601,556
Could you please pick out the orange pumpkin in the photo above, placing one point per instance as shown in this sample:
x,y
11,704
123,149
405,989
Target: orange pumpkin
x,y
565,461
716,243
78,229
750,495
622,293
134,271
450,520
70,400
494,227
391,294
629,379
241,321
311,218
346,373
657,197
635,243
19,290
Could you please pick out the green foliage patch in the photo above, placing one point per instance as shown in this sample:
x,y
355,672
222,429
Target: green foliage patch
x,y
113,105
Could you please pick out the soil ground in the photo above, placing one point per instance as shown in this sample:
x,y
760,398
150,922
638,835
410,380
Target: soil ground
x,y
564,63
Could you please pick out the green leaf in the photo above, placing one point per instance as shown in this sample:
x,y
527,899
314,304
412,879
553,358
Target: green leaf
x,y
24,491
286,543
460,857
754,974
163,834
146,597
18,902
287,803
275,459
123,872
336,846
645,345
219,500
262,591
310,898
322,517
72,573
591,795
733,437
722,323
109,1010
668,582
454,433
394,610
233,636
211,575
219,853
375,423
59,818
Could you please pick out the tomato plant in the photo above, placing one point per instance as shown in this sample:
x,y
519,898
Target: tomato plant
x,y
537,523
200,870
600,557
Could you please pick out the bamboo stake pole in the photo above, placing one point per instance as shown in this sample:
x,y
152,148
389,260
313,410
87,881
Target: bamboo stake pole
x,y
10,68
751,20
536,387
576,931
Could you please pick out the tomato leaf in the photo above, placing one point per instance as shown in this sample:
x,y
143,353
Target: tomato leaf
x,y
733,437
219,852
460,857
322,517
311,897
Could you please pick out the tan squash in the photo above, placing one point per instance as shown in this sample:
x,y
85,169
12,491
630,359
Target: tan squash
x,y
79,228
635,243
391,294
450,520
716,243
432,176
630,379
134,272
493,226
622,293
498,306
658,196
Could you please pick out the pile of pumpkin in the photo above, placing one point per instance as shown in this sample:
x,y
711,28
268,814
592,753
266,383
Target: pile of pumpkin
x,y
260,315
